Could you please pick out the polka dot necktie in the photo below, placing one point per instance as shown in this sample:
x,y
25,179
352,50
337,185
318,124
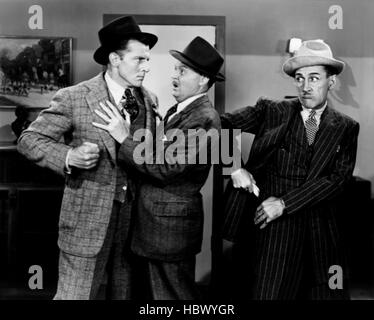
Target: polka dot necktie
x,y
311,127
170,112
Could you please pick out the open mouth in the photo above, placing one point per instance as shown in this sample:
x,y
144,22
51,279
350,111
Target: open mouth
x,y
175,85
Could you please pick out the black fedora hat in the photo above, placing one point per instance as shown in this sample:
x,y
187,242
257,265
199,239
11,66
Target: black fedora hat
x,y
117,30
202,57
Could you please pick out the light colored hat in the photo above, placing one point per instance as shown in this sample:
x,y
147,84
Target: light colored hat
x,y
312,53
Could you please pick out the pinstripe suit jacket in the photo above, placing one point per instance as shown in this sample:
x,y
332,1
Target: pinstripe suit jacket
x,y
88,194
312,204
169,220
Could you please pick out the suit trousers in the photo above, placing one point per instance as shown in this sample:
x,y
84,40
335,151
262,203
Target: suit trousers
x,y
301,284
167,280
104,276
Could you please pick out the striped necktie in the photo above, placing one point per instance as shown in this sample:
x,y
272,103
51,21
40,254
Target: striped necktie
x,y
311,127
170,112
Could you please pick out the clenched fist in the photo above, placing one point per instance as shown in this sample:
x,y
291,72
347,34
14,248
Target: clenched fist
x,y
85,156
241,178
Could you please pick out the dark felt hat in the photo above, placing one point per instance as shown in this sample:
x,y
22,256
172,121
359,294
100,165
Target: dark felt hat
x,y
117,30
202,57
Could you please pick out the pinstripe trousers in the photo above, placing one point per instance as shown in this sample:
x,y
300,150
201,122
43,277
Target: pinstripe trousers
x,y
297,279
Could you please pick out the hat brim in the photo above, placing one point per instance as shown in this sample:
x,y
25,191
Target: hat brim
x,y
193,65
101,54
294,63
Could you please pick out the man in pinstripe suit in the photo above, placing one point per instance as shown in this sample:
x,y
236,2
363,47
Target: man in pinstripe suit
x,y
302,156
96,206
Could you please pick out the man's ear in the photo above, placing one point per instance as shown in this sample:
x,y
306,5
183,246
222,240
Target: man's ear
x,y
203,81
114,59
332,81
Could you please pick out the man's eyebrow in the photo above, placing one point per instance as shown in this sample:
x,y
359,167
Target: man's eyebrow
x,y
309,74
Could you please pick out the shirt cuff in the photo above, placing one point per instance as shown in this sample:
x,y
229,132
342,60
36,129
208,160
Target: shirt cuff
x,y
67,169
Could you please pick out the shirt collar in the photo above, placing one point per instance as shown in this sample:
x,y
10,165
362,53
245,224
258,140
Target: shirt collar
x,y
306,111
115,89
188,101
318,111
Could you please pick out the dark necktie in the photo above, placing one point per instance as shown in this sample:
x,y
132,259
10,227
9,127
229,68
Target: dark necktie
x,y
130,104
311,127
170,112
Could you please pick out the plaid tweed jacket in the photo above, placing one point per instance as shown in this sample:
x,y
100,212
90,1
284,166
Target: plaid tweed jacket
x,y
311,207
88,196
168,224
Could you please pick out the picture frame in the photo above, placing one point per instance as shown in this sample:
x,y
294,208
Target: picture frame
x,y
32,69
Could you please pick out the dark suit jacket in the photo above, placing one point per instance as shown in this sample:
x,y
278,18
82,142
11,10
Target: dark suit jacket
x,y
330,169
168,223
88,195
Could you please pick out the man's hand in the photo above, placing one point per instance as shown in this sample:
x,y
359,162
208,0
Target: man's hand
x,y
269,210
85,156
116,125
241,178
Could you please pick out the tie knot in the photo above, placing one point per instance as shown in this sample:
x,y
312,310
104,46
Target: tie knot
x,y
128,93
312,114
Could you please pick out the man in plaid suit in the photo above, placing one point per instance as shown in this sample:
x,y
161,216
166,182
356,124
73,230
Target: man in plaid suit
x,y
302,156
92,233
168,225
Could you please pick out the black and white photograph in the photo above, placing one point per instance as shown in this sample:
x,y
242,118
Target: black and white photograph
x,y
214,153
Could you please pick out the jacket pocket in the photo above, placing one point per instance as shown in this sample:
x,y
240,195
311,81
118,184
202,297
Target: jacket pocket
x,y
70,207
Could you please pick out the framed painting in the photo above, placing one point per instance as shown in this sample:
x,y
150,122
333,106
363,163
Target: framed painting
x,y
32,69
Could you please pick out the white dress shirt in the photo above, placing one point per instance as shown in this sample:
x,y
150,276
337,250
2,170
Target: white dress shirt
x,y
114,88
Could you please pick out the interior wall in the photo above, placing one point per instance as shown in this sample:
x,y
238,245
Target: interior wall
x,y
256,36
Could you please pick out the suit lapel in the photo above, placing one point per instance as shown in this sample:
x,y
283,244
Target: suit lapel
x,y
189,108
150,109
99,93
266,144
326,142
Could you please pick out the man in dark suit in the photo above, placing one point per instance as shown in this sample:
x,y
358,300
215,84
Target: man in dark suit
x,y
302,156
168,224
92,233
